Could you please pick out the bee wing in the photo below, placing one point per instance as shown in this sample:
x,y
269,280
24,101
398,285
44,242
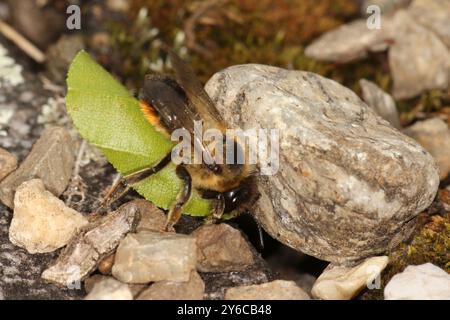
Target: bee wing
x,y
165,104
165,101
195,92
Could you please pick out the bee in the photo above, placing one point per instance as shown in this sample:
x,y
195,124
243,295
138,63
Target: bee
x,y
175,103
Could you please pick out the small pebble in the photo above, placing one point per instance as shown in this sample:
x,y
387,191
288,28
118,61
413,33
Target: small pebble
x,y
41,222
93,243
434,135
110,289
275,290
422,282
171,290
381,102
433,14
152,218
51,160
90,282
105,266
419,61
221,248
343,283
151,256
8,163
350,42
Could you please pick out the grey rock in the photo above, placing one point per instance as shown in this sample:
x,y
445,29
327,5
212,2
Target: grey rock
x,y
275,290
434,135
8,163
152,218
433,14
41,222
381,102
216,283
152,256
348,185
51,21
221,248
350,41
172,290
418,59
94,242
110,289
423,282
61,54
50,160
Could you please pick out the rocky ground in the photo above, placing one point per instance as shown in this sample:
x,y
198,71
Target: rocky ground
x,y
328,239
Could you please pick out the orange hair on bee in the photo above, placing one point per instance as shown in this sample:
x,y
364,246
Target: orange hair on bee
x,y
152,116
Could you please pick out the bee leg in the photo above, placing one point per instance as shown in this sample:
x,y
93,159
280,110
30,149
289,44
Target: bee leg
x,y
217,210
122,185
176,208
117,190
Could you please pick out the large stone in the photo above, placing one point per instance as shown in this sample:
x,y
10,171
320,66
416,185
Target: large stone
x,y
41,222
221,248
343,283
95,242
381,102
152,256
348,185
418,59
110,289
8,163
433,14
172,290
350,41
50,160
423,282
275,290
434,135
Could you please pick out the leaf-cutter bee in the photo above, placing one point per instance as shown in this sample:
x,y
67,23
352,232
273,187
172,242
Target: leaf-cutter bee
x,y
170,104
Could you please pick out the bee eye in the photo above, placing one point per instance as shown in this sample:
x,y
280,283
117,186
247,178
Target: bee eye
x,y
234,198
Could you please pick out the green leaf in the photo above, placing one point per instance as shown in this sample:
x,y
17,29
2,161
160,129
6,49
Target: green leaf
x,y
107,116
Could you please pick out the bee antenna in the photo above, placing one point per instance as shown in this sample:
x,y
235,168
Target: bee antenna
x,y
261,235
260,230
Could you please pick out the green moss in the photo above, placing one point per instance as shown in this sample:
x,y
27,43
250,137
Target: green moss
x,y
431,243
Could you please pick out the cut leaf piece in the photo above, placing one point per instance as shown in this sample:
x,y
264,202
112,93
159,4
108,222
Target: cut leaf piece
x,y
107,116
